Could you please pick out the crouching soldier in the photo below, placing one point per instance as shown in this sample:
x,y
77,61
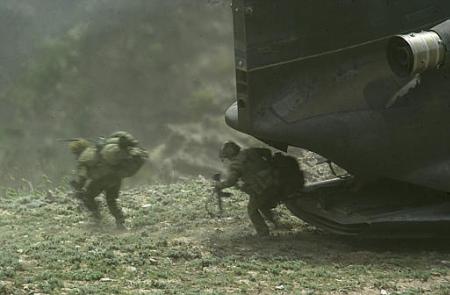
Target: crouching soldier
x,y
254,169
101,168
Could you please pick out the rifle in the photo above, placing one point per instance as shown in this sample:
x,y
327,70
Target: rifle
x,y
99,142
218,195
67,139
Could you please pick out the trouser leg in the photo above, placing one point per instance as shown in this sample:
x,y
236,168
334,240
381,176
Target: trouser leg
x,y
267,210
256,218
270,216
92,191
112,194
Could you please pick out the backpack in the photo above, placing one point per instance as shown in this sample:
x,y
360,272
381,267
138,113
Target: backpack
x,y
288,174
130,166
125,160
257,174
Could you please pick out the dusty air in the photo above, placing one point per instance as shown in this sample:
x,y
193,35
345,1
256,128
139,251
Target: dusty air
x,y
224,147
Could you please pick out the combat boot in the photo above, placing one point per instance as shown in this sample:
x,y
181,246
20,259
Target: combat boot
x,y
96,219
263,232
120,226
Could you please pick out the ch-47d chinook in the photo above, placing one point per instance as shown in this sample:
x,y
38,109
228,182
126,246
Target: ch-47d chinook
x,y
366,85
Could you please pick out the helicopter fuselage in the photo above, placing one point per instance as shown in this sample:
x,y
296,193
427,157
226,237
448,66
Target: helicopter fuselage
x,y
314,74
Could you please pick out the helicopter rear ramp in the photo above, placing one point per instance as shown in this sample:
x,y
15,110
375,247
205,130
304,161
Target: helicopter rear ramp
x,y
384,209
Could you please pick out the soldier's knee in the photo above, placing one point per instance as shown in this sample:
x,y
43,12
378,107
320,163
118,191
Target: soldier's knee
x,y
89,201
112,203
114,208
112,194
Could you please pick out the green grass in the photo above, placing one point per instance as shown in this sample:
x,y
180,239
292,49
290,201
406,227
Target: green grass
x,y
174,247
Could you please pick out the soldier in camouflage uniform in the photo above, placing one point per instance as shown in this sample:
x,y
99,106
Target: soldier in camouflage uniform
x,y
254,169
101,168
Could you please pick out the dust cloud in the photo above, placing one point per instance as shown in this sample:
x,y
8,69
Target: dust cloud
x,y
162,70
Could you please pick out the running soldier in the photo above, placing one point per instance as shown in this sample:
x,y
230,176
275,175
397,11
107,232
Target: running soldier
x,y
101,168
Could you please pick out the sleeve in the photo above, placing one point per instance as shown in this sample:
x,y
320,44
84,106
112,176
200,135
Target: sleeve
x,y
81,176
232,176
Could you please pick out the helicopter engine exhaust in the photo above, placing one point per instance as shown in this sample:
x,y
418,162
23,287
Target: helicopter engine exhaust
x,y
416,53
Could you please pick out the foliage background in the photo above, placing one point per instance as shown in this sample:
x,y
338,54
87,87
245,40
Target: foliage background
x,y
163,70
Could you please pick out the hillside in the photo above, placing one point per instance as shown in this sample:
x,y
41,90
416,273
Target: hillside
x,y
162,70
174,247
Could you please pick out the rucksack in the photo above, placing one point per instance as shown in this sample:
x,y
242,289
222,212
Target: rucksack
x,y
289,176
258,175
125,160
130,166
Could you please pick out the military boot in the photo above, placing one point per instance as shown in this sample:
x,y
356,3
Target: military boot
x,y
120,226
263,232
96,218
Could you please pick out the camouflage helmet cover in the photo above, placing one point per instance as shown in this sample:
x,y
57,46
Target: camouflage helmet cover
x,y
125,138
229,149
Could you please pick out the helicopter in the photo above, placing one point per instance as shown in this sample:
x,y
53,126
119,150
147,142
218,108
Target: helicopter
x,y
366,85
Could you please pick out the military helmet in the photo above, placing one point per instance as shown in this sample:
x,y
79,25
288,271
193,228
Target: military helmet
x,y
78,145
125,139
229,150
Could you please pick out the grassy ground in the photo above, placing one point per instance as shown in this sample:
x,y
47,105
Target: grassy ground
x,y
174,247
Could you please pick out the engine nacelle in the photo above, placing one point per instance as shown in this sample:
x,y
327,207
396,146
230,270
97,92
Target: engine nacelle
x,y
416,53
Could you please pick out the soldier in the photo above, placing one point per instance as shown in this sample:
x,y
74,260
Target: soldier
x,y
101,168
254,168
